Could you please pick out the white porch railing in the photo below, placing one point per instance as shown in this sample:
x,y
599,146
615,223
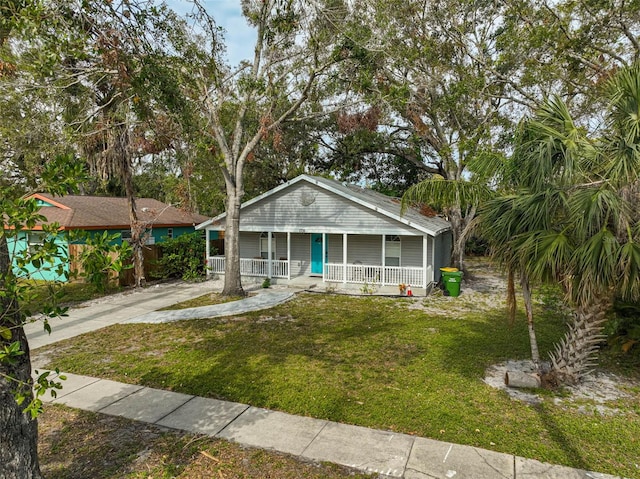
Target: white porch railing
x,y
383,275
252,267
334,272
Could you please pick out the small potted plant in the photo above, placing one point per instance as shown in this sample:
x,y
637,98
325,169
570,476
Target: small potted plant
x,y
403,288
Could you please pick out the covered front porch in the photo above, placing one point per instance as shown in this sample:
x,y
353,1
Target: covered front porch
x,y
334,258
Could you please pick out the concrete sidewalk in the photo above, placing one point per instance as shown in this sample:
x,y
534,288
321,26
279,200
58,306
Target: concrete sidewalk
x,y
385,453
262,300
382,452
113,309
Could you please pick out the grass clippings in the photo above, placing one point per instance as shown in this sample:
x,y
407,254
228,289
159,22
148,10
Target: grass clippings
x,y
78,445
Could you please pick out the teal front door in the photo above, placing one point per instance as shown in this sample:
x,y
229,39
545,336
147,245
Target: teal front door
x,y
316,254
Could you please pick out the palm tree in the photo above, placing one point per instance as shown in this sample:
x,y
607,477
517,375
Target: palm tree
x,y
458,199
569,217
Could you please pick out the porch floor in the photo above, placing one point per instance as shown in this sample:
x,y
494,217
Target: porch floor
x,y
315,283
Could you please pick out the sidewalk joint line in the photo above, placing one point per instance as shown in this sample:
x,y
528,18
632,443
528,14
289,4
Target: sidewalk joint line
x,y
175,409
314,438
406,463
233,420
123,397
86,385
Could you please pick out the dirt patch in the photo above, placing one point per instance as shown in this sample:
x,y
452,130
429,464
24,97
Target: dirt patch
x,y
486,289
483,289
596,392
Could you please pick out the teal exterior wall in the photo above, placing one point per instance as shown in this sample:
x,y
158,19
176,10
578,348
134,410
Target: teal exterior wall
x,y
56,271
19,244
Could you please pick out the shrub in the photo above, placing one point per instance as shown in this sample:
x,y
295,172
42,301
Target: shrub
x,y
183,257
623,329
101,258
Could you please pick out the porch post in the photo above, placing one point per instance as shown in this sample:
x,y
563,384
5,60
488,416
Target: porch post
x,y
425,252
344,257
288,255
324,242
269,263
384,259
208,252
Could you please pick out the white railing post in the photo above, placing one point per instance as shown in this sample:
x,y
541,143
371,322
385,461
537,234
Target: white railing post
x,y
384,259
344,257
324,273
269,254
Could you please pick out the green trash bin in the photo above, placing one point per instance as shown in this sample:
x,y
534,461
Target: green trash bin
x,y
451,281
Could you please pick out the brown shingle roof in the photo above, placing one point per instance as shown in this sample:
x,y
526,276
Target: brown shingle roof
x,y
97,212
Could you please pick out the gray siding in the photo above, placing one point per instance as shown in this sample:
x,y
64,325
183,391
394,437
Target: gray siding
x,y
300,254
366,249
335,248
249,245
281,245
307,207
411,251
444,245
363,249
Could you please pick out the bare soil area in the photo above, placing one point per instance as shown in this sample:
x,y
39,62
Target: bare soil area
x,y
77,444
486,289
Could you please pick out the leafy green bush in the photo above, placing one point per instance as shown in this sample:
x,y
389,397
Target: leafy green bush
x,y
476,246
183,257
624,329
101,257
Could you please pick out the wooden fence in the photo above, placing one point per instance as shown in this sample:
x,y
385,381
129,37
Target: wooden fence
x,y
151,254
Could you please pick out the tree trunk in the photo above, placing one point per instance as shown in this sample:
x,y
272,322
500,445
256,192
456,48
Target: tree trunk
x,y
576,354
457,226
459,232
123,148
232,280
137,240
528,306
18,431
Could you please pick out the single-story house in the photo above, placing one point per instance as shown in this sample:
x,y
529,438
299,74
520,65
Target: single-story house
x,y
98,214
314,226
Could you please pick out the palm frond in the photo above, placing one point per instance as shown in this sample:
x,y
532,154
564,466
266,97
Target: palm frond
x,y
629,270
624,107
595,266
593,209
487,166
545,254
440,193
550,147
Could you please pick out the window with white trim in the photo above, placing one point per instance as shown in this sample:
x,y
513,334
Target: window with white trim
x,y
35,240
392,249
264,246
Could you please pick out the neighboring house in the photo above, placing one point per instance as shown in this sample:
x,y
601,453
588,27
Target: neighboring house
x,y
98,214
313,226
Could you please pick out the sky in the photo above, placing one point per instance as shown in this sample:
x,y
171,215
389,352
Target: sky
x,y
239,37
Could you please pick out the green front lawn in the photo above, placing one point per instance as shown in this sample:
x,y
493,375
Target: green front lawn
x,y
374,362
208,299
